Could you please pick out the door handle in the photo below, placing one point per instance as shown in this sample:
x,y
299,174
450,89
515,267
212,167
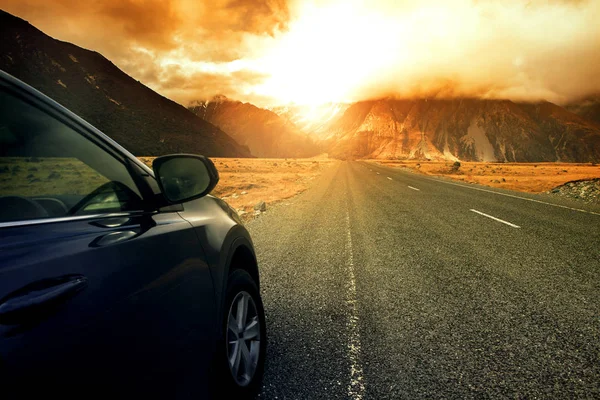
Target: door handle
x,y
35,300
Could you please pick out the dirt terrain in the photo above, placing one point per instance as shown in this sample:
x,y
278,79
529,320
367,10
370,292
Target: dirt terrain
x,y
244,182
524,177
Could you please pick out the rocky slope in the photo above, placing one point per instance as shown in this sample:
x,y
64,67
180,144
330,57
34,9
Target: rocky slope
x,y
265,133
588,108
140,119
586,190
465,129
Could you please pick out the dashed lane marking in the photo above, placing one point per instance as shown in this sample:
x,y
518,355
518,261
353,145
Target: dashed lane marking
x,y
495,219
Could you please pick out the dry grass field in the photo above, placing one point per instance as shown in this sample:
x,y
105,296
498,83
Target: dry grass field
x,y
33,176
243,181
524,177
246,181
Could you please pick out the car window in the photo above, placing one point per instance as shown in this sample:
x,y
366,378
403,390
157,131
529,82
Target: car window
x,y
49,170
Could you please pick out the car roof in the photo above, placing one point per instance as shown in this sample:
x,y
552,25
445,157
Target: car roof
x,y
21,86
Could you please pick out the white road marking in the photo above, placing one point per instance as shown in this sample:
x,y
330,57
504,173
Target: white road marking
x,y
389,178
511,195
495,219
414,188
515,197
378,173
356,387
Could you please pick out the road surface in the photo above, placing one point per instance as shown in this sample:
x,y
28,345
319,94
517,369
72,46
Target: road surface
x,y
379,283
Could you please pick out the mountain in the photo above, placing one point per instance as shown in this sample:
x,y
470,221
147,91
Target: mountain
x,y
588,108
465,129
312,119
140,119
264,132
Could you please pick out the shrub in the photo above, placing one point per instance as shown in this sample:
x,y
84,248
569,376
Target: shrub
x,y
456,166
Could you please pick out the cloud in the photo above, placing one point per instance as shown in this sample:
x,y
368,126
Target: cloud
x,y
248,16
149,38
186,84
333,50
160,25
500,49
354,49
150,22
204,86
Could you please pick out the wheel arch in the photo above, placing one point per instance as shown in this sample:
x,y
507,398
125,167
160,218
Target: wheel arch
x,y
244,258
237,252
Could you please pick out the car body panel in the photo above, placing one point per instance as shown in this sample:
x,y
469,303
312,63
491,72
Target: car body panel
x,y
221,231
151,288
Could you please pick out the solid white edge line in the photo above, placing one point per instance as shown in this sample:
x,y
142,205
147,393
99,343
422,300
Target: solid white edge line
x,y
414,188
507,195
495,219
513,196
356,386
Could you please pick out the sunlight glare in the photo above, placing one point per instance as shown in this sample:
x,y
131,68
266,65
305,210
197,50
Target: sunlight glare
x,y
327,52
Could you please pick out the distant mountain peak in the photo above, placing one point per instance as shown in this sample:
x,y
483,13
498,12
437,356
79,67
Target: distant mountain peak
x,y
264,132
219,98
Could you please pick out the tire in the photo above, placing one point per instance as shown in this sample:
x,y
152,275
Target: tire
x,y
241,288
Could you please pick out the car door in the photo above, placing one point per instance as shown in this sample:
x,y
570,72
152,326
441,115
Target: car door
x,y
96,284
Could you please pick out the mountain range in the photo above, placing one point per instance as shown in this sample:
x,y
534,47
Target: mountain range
x,y
264,132
88,84
465,129
147,123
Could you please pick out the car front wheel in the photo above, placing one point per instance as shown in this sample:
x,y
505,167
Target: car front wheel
x,y
244,334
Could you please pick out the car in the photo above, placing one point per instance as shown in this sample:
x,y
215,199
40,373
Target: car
x,y
115,278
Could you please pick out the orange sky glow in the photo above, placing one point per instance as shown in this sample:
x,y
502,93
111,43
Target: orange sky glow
x,y
310,52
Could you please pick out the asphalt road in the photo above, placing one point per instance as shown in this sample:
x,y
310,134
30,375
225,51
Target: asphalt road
x,y
380,283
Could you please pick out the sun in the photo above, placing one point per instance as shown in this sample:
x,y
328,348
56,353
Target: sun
x,y
327,54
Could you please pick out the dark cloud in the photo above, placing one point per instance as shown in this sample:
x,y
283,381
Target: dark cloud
x,y
208,31
257,16
149,22
110,27
217,30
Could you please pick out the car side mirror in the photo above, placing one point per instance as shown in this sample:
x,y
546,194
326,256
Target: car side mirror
x,y
184,177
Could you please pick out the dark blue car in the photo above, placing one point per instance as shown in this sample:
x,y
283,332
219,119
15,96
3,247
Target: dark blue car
x,y
116,279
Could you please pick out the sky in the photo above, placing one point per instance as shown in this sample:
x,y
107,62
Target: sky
x,y
273,52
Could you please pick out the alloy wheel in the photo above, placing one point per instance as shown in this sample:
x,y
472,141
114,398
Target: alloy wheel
x,y
243,338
